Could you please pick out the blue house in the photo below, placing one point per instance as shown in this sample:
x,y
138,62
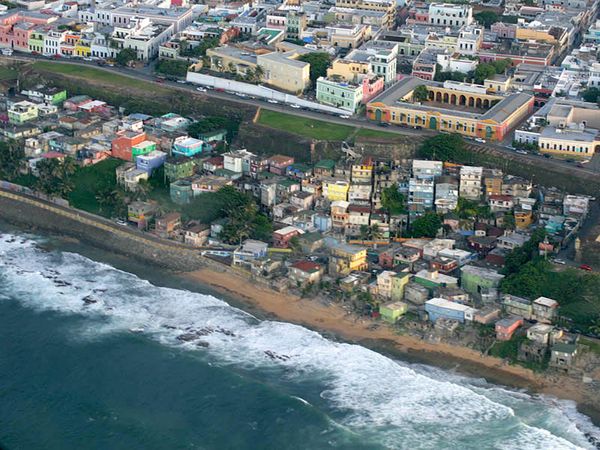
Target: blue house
x,y
441,308
187,146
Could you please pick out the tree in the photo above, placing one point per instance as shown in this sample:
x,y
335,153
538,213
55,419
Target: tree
x,y
444,147
591,95
259,73
112,201
125,56
392,200
520,256
171,67
421,94
509,221
483,71
200,49
486,18
319,63
426,226
12,157
55,176
212,123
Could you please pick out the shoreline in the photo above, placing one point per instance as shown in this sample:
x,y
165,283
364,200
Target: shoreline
x,y
207,277
334,320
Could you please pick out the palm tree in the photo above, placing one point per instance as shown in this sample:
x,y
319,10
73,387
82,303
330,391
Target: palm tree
x,y
259,73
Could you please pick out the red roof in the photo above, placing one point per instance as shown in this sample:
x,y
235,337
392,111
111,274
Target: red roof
x,y
52,155
306,266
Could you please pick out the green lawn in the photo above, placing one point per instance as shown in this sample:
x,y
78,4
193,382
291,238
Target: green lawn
x,y
89,180
305,127
91,73
594,345
7,73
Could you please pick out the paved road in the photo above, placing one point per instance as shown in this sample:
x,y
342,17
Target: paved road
x,y
145,74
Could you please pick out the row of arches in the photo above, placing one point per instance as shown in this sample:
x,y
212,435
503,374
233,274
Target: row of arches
x,y
461,100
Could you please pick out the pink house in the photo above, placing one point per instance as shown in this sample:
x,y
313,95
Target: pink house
x,y
15,29
282,238
371,87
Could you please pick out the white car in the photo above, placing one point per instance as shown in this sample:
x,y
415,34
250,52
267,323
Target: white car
x,y
344,116
121,222
293,105
181,81
522,152
481,141
559,261
201,89
273,101
239,94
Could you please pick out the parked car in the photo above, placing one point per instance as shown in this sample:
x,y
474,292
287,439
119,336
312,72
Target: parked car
x,y
522,152
121,222
181,81
481,141
293,105
201,89
586,268
546,155
272,101
383,124
344,116
559,261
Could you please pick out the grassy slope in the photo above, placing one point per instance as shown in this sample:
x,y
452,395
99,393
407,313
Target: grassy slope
x,y
88,179
91,73
316,129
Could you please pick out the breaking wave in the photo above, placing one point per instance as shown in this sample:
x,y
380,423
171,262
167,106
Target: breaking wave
x,y
396,404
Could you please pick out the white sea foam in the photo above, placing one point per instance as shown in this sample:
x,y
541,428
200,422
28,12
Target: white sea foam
x,y
404,407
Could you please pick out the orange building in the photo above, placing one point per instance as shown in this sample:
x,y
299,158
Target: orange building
x,y
121,145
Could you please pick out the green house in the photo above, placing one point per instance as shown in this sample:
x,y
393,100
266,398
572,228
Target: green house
x,y
143,148
476,280
177,168
391,312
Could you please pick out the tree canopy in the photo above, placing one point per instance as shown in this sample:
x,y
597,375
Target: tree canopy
x,y
591,95
172,67
426,226
125,56
444,147
55,177
486,18
486,70
319,63
212,123
11,158
392,200
421,94
200,49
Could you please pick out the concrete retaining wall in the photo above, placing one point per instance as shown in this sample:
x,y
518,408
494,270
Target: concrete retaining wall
x,y
100,232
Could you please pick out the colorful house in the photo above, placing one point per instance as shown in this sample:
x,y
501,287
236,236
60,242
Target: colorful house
x,y
305,272
439,308
124,142
476,280
177,168
391,312
282,237
150,161
181,192
143,148
187,146
21,112
505,328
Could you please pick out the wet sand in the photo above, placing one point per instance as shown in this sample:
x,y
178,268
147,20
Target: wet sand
x,y
333,319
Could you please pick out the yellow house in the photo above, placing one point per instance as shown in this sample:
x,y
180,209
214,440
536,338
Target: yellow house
x,y
573,143
523,218
399,282
348,69
346,258
551,35
83,48
452,107
362,170
335,190
284,71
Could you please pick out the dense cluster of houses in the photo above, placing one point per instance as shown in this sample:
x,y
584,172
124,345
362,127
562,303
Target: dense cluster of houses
x,y
380,50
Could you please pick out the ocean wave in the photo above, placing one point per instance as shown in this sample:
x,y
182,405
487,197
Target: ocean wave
x,y
399,405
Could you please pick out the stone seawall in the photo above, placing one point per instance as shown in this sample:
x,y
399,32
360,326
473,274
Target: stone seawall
x,y
37,214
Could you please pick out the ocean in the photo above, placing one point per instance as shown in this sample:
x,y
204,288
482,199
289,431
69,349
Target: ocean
x,y
93,357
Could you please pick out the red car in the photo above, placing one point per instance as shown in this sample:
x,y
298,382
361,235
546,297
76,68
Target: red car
x,y
586,267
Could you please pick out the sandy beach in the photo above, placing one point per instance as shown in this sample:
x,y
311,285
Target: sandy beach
x,y
335,320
